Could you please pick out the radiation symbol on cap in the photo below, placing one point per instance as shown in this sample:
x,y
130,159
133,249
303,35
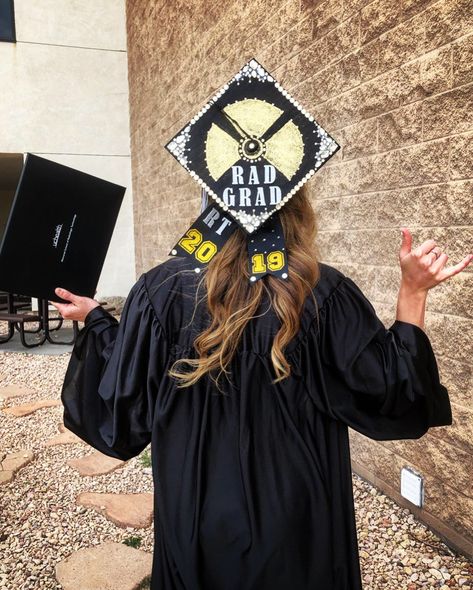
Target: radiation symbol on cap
x,y
257,130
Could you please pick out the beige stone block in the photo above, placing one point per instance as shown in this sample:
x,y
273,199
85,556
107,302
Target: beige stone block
x,y
448,113
359,140
328,212
378,17
386,284
26,409
447,20
326,16
342,179
461,162
402,44
372,246
433,456
412,7
359,211
400,127
9,391
353,7
105,566
334,246
427,75
95,464
443,204
343,39
424,163
125,510
378,459
457,511
55,108
98,24
310,60
378,95
340,111
378,172
463,61
458,343
453,296
457,377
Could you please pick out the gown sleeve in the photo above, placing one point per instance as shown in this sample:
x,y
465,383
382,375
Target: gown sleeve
x,y
381,382
112,376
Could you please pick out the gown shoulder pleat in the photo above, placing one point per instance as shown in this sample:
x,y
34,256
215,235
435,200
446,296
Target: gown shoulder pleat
x,y
382,382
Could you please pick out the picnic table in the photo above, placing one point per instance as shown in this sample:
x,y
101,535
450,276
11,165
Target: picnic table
x,y
17,311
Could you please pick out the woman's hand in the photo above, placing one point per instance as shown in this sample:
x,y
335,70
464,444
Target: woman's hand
x,y
77,309
424,267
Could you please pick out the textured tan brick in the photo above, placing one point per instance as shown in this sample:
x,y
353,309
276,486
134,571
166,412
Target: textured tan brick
x,y
400,127
446,21
343,39
424,163
461,162
378,95
359,211
378,17
463,61
326,16
402,44
353,7
342,179
381,461
458,379
359,139
458,512
328,211
433,456
441,204
411,7
458,345
428,75
454,296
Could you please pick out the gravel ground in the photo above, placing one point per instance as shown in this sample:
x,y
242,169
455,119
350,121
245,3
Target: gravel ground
x,y
41,525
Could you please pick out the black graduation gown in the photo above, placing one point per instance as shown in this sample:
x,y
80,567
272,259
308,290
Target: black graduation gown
x,y
253,489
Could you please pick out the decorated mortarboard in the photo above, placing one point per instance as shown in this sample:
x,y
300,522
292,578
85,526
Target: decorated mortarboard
x,y
251,148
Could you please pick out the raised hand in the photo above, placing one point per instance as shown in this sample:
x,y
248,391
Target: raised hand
x,y
77,309
424,267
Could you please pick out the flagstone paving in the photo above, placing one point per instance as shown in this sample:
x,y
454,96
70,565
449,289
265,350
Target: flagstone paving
x,y
125,510
26,409
95,464
10,391
105,567
65,437
12,462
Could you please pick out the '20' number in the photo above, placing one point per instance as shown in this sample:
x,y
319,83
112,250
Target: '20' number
x,y
274,261
192,243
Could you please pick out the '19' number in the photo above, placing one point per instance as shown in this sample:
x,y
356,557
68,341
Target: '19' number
x,y
192,243
274,261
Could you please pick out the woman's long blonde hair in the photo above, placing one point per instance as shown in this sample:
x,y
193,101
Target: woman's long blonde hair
x,y
233,301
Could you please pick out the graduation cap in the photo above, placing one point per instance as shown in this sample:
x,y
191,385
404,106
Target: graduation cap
x,y
251,148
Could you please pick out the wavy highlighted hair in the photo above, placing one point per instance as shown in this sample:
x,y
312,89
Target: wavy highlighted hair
x,y
233,301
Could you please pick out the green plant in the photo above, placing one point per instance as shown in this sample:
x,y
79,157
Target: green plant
x,y
133,542
145,584
145,458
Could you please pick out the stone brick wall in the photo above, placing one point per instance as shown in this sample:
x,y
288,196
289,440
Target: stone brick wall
x,y
392,81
